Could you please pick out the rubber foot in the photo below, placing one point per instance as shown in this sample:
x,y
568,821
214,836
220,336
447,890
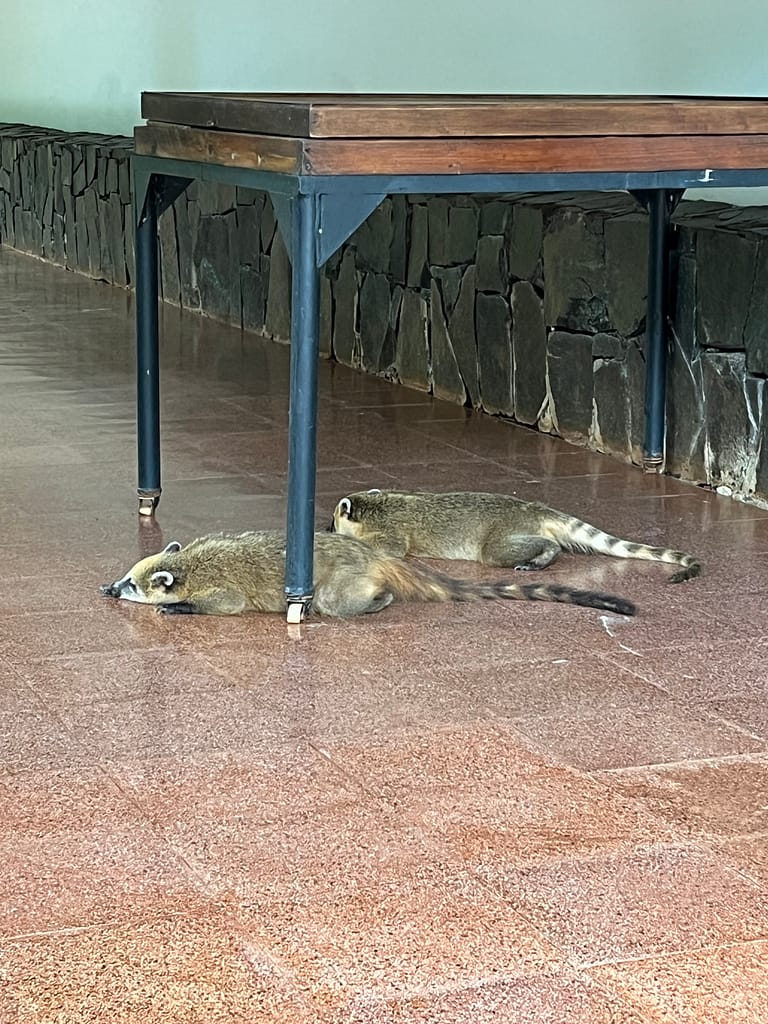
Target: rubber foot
x,y
147,505
295,613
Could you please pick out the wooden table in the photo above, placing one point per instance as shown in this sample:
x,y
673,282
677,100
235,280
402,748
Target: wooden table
x,y
328,161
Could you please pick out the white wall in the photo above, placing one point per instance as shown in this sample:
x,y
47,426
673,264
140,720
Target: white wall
x,y
81,64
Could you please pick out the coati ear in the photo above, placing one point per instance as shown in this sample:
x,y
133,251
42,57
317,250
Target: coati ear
x,y
169,549
345,508
374,490
162,578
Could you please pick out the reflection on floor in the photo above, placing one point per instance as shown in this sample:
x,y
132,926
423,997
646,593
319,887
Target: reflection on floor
x,y
462,813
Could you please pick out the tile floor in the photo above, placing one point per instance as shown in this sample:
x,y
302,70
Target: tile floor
x,y
459,814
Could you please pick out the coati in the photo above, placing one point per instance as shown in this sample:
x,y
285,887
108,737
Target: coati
x,y
225,574
495,529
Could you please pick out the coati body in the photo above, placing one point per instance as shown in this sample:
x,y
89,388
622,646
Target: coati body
x,y
495,529
226,574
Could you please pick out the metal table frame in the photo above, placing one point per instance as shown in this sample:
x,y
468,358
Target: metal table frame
x,y
316,215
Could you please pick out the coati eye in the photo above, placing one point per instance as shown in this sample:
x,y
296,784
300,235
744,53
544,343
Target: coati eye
x,y
345,507
162,578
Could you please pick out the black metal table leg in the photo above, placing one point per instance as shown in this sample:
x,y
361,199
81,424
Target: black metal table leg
x,y
147,358
655,332
302,424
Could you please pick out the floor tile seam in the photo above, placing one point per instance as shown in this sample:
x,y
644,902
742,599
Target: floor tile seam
x,y
693,763
640,848
677,954
718,849
713,717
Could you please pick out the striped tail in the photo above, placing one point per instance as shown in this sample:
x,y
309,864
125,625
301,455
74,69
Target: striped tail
x,y
410,582
583,538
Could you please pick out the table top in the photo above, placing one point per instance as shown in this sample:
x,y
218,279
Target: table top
x,y
330,116
305,135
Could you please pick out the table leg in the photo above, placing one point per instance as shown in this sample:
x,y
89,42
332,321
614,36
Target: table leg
x,y
302,425
655,332
147,359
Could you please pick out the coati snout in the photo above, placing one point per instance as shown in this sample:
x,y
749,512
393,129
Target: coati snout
x,y
147,581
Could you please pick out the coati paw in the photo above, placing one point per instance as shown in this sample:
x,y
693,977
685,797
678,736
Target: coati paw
x,y
180,608
525,567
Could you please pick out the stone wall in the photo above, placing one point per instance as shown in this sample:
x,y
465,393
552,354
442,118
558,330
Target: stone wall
x,y
529,307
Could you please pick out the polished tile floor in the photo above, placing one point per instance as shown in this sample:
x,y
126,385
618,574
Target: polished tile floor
x,y
508,813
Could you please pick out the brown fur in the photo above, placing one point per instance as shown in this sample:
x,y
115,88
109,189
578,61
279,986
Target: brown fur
x,y
495,529
226,574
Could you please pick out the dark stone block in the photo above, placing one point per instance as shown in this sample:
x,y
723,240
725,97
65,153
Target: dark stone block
x,y
111,177
398,250
70,241
437,210
574,271
187,225
79,181
215,199
58,188
101,174
7,233
90,165
612,419
169,257
569,369
212,260
124,180
66,167
756,327
115,231
525,241
81,253
326,317
107,270
235,300
58,254
268,226
249,230
345,338
5,180
725,276
626,272
495,216
732,404
761,475
412,354
130,238
461,328
494,353
47,218
43,178
92,222
447,382
26,179
418,274
7,153
278,319
450,279
462,234
529,348
492,265
254,297
373,240
374,320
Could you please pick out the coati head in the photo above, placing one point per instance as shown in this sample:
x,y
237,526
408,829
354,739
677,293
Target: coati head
x,y
151,581
349,513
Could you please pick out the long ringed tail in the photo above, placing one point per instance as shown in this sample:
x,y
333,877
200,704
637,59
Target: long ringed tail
x,y
583,538
410,582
